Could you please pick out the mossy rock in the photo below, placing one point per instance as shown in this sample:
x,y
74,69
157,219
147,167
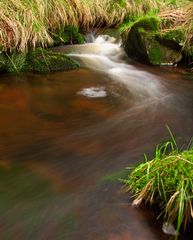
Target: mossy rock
x,y
148,23
173,38
177,35
142,43
41,60
157,53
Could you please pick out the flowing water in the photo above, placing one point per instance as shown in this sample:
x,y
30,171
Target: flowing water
x,y
67,137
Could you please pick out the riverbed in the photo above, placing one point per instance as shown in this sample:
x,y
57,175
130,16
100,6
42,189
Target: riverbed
x,y
67,138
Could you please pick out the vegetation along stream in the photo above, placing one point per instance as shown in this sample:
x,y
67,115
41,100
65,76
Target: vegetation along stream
x,y
66,138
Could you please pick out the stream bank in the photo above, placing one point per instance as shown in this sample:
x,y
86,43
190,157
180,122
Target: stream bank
x,y
170,43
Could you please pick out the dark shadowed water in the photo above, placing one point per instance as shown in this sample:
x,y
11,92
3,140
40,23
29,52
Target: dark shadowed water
x,y
66,138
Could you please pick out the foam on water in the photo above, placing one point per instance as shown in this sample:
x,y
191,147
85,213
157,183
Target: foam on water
x,y
93,92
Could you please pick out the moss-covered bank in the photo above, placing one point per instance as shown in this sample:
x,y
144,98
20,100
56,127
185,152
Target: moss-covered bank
x,y
37,60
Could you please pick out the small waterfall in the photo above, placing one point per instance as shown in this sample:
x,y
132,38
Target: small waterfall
x,y
107,56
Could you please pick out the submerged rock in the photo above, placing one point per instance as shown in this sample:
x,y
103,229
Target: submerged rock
x,y
143,43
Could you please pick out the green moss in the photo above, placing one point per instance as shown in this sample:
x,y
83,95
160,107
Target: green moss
x,y
160,54
148,23
37,60
177,35
156,54
144,28
143,43
41,60
68,34
153,50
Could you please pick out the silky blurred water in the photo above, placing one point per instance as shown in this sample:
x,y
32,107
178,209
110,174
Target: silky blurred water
x,y
67,137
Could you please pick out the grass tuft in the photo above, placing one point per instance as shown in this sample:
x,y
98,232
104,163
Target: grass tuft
x,y
166,180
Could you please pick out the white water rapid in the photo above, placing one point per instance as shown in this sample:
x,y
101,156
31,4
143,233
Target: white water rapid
x,y
107,56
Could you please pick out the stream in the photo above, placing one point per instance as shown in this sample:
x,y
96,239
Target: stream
x,y
67,137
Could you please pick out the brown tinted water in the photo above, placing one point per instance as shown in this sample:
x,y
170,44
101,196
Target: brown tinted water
x,y
63,147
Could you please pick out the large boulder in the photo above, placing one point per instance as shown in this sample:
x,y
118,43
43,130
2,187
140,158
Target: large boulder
x,y
144,43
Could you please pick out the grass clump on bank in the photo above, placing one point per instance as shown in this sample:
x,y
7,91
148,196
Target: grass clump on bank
x,y
167,181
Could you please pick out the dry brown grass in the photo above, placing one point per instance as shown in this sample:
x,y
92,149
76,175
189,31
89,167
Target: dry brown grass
x,y
29,23
179,18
